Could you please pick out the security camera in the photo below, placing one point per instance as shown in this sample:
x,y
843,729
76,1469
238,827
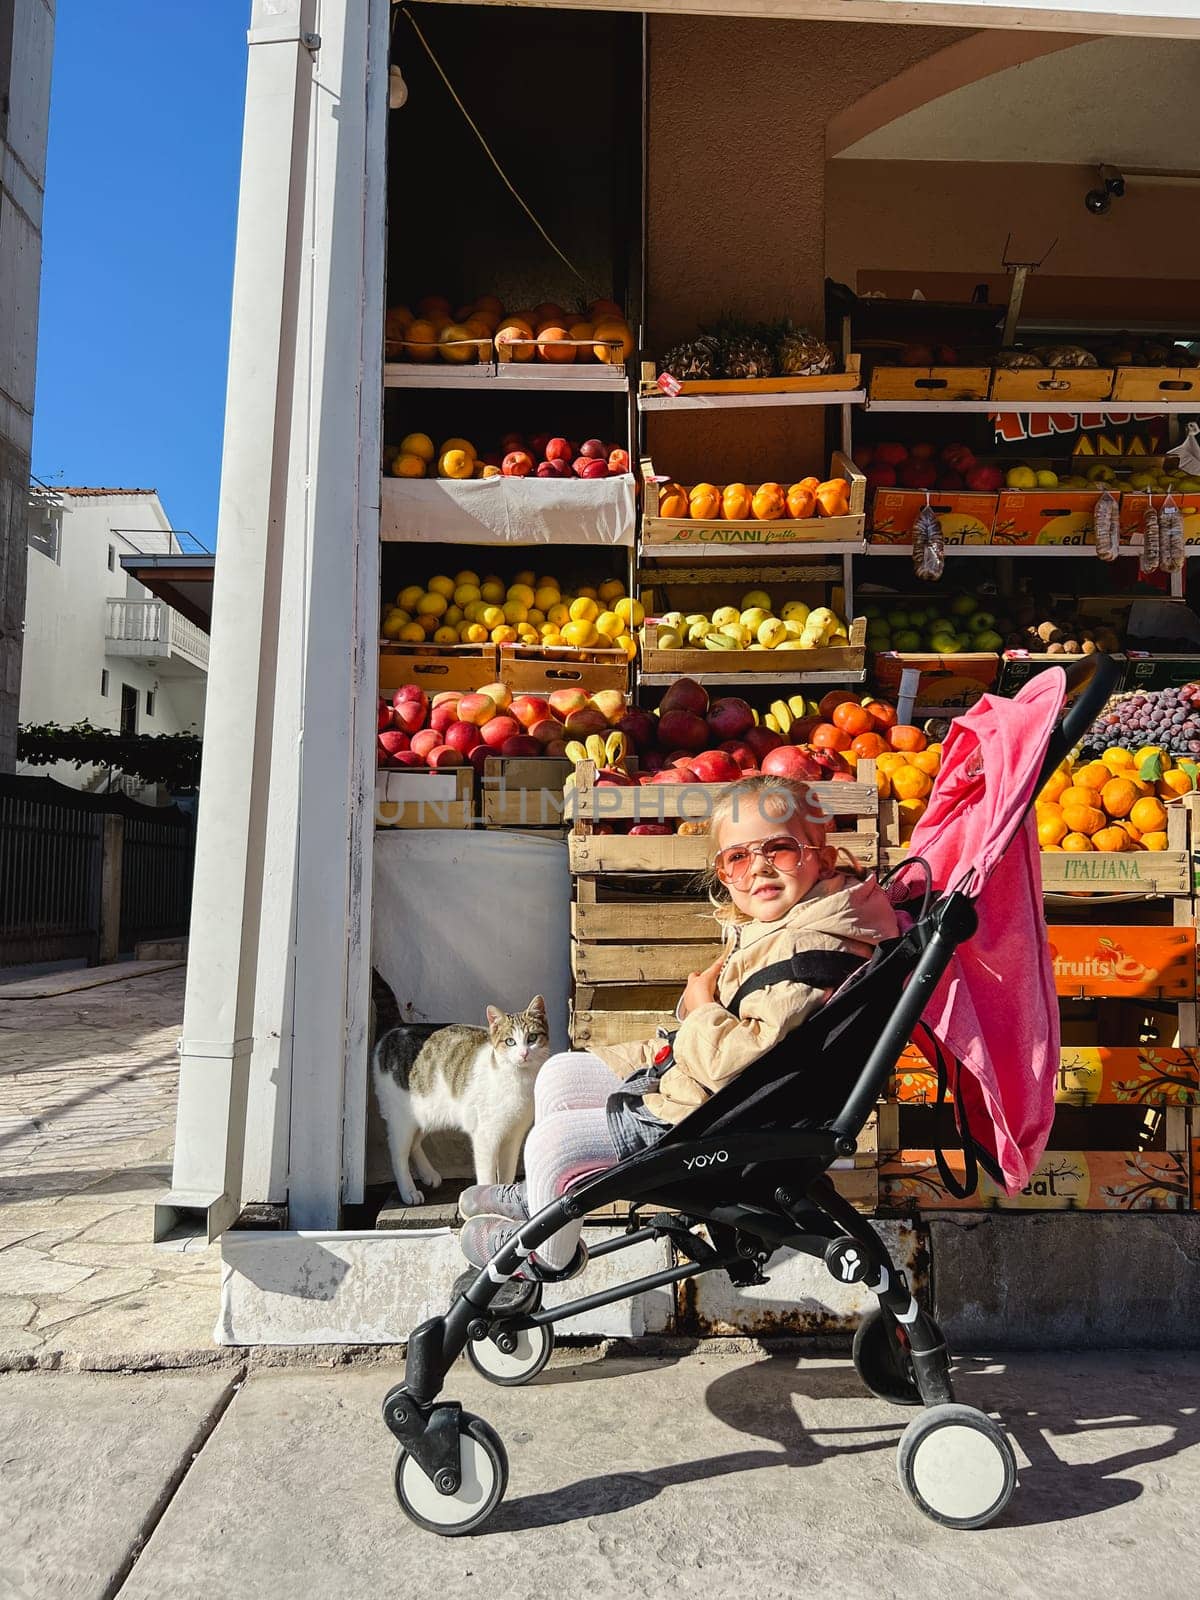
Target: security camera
x,y
1113,182
1098,202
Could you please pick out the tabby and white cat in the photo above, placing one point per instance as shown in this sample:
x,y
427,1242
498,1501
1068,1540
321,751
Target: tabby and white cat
x,y
477,1081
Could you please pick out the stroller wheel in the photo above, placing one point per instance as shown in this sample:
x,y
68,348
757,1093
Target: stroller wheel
x,y
532,1348
484,1480
956,1466
882,1360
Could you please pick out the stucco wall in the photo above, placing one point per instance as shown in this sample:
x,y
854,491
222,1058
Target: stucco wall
x,y
736,201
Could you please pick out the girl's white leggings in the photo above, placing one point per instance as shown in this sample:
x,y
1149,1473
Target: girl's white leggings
x,y
569,1138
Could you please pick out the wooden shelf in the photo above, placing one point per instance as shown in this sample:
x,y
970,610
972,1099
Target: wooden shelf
x,y
1004,551
1035,407
753,680
507,376
741,402
706,555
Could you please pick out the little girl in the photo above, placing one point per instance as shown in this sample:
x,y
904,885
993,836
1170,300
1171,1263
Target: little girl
x,y
777,890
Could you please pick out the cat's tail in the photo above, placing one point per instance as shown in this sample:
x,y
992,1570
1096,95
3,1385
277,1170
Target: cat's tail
x,y
387,1007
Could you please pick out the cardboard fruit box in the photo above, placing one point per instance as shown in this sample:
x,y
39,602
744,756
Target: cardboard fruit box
x,y
1124,962
955,681
966,516
1063,1180
688,533
1045,516
1136,502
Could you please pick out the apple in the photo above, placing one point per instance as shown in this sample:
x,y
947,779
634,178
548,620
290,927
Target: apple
x,y
407,758
517,464
578,465
729,718
443,756
477,708
425,740
830,702
481,754
762,741
442,716
984,478
917,474
559,450
565,701
393,740
410,707
512,441
801,730
558,748
548,731
674,775
949,482
650,762
383,716
921,452
497,729
595,448
444,696
881,476
537,444
594,468
552,469
790,761
653,827
610,703
588,720
682,729
716,766
463,737
618,462
685,694
611,775
521,745
640,728
864,454
742,752
529,708
891,455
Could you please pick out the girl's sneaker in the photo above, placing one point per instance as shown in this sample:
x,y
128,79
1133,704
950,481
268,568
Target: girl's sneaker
x,y
494,1200
483,1236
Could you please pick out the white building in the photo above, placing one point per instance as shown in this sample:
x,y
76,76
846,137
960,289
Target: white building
x,y
99,647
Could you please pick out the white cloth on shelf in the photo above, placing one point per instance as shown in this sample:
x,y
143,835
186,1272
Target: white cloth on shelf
x,y
508,510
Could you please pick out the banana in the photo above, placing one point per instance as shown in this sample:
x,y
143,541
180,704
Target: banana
x,y
576,751
782,712
596,752
569,781
616,749
798,704
771,722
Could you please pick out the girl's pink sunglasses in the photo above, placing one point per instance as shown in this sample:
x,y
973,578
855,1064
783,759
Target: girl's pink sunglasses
x,y
783,853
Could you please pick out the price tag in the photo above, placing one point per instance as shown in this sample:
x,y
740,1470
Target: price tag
x,y
669,384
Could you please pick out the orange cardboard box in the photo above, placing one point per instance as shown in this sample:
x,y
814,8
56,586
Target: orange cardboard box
x,y
967,517
1046,516
1063,1180
1134,505
1088,1075
1121,962
945,680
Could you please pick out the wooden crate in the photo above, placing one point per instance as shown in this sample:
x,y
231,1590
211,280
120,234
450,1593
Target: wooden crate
x,y
820,383
536,669
435,667
1064,1180
1058,383
930,383
408,797
671,532
1141,385
525,792
849,658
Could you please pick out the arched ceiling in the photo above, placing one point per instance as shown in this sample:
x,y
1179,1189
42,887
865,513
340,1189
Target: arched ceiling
x,y
1126,101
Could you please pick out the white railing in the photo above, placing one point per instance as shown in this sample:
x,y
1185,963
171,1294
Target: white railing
x,y
158,628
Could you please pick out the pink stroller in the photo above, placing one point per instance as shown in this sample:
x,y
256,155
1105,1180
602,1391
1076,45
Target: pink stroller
x,y
750,1166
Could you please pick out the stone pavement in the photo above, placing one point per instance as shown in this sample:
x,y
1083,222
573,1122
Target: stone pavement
x,y
712,1476
87,1114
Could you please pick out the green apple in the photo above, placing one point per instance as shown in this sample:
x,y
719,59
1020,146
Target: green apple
x,y
988,640
963,604
906,639
1046,479
982,622
1021,478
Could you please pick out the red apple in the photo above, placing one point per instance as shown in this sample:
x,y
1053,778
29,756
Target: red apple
x,y
548,731
564,701
476,708
594,468
517,464
578,465
584,721
611,775
650,762
801,730
881,476
444,755
521,745
864,454
553,469
512,441
463,737
618,462
716,766
407,758
640,728
558,748
922,452
481,754
685,694
383,716
442,716
392,741
559,450
729,718
917,475
595,448
762,741
831,701
537,445
682,730
673,775
425,740
789,761
529,708
653,827
497,729
891,455
986,479
410,707
742,753
949,482
446,696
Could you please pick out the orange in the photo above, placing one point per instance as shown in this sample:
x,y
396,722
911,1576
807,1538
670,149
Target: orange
x,y
1093,775
1149,816
1056,848
1051,831
1171,783
928,761
910,783
903,736
1083,819
1129,828
851,718
735,502
1118,796
890,761
1154,841
553,344
1077,795
610,331
883,783
1149,750
1073,843
1111,839
1054,785
911,811
673,501
869,745
704,502
1117,760
768,502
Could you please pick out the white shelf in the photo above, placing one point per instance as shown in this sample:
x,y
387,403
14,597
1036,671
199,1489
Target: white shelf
x,y
1004,551
507,376
702,555
732,402
1038,407
751,680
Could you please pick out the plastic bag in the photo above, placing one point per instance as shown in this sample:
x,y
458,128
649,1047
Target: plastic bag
x,y
1172,545
929,544
1108,526
1188,453
1150,558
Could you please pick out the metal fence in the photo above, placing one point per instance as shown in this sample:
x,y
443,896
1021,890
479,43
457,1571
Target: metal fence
x,y
52,871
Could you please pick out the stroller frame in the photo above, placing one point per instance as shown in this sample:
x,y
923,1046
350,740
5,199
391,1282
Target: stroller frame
x,y
954,1461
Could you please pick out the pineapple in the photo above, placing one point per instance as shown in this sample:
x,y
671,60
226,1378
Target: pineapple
x,y
802,354
745,351
694,359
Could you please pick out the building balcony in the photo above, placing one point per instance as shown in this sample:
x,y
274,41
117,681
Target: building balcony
x,y
158,635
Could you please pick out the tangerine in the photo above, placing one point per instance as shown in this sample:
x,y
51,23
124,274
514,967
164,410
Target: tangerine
x,y
1117,760
884,715
1051,831
852,718
911,811
910,783
1074,843
868,745
1112,839
1174,783
1149,816
929,761
903,736
1118,797
1054,785
1154,841
1092,775
890,761
826,736
1083,819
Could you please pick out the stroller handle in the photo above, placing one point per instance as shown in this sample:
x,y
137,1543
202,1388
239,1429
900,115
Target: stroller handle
x,y
1095,677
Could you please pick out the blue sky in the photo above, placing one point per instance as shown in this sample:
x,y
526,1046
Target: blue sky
x,y
137,260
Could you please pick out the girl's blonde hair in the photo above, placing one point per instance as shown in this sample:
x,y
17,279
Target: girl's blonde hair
x,y
790,800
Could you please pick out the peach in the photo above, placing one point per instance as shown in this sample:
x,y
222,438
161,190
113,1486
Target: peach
x,y
476,708
564,701
445,695
596,449
529,708
618,462
610,703
425,740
